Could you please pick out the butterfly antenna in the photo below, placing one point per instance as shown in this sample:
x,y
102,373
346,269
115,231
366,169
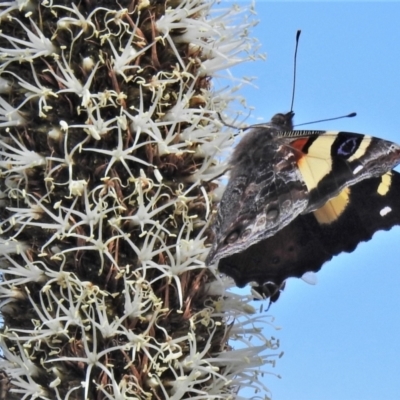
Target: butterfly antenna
x,y
243,128
295,67
351,115
225,123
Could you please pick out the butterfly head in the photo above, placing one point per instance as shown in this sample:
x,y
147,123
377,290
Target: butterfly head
x,y
283,121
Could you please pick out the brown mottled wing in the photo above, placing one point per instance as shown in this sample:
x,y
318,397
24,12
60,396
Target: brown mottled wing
x,y
264,193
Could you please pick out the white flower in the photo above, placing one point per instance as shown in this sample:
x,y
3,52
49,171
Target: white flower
x,y
12,246
105,207
72,83
5,86
82,21
9,116
23,50
121,62
25,5
30,272
121,153
15,159
147,209
33,92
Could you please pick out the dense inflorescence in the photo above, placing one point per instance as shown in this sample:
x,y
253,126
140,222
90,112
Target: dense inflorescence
x,y
108,145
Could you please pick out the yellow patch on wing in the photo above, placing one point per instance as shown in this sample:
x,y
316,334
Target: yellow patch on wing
x,y
361,149
332,210
384,186
317,162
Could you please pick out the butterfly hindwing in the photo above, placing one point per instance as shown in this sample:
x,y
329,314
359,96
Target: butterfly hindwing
x,y
314,238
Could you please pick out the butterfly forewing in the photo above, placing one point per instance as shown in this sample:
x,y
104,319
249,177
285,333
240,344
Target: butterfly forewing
x,y
332,161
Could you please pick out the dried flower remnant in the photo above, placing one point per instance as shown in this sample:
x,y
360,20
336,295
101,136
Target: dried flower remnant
x,y
108,141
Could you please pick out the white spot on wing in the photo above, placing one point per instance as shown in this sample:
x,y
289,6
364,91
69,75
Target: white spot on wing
x,y
385,211
357,169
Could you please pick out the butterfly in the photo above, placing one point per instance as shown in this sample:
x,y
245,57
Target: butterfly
x,y
297,198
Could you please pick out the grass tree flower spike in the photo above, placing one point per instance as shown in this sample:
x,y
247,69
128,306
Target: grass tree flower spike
x,y
109,142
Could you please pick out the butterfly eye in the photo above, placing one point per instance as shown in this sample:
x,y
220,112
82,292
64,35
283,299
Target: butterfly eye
x,y
232,237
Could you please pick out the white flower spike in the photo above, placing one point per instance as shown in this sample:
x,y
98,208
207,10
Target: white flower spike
x,y
108,142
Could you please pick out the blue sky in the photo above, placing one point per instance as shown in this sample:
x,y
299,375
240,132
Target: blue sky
x,y
341,336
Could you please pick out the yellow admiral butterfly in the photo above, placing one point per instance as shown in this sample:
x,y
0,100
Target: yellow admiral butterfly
x,y
297,198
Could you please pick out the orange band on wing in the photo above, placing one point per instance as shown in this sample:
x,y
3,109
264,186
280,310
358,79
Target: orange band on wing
x,y
299,144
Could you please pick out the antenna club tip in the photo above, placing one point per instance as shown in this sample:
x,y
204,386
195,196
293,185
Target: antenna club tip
x,y
353,114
